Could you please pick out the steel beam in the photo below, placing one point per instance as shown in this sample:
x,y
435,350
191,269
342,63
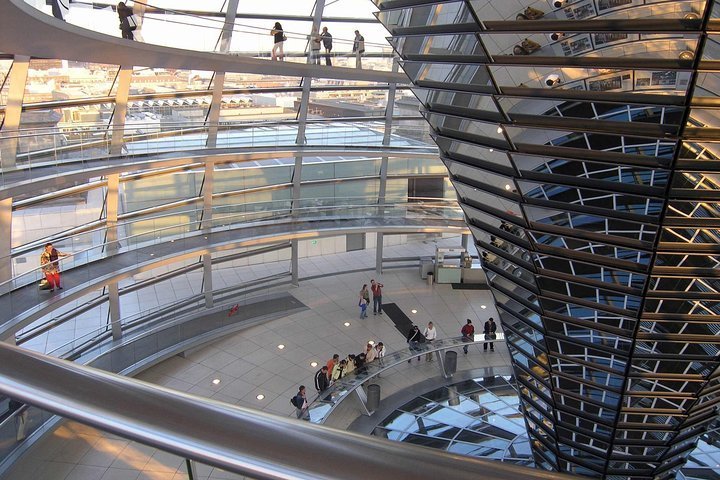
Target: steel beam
x,y
13,110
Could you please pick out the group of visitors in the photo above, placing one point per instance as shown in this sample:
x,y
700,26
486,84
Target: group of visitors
x,y
317,41
468,334
415,339
364,298
334,370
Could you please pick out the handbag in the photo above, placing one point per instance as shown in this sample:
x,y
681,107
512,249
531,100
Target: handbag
x,y
284,38
132,21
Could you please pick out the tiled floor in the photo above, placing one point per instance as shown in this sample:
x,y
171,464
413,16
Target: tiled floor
x,y
249,363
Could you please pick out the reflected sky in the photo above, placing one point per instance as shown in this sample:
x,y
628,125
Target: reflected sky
x,y
481,418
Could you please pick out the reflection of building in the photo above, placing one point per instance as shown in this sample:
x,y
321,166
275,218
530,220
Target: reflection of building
x,y
342,109
606,275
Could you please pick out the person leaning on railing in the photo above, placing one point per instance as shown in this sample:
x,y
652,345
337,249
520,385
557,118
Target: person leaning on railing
x,y
49,262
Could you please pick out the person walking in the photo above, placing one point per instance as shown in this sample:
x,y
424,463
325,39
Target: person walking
x,y
414,339
321,379
300,403
278,39
364,300
489,330
468,332
49,262
376,288
327,44
358,48
315,42
127,24
430,335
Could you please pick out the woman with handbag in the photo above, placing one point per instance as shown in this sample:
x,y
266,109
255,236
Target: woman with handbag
x,y
279,38
128,23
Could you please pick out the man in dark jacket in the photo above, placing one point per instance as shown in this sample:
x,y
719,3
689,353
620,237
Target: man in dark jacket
x,y
327,43
321,379
489,331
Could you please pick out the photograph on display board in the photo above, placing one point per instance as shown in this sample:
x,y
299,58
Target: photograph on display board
x,y
579,12
663,79
576,45
605,84
603,5
603,39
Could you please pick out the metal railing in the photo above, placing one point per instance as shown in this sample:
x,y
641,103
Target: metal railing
x,y
326,402
239,440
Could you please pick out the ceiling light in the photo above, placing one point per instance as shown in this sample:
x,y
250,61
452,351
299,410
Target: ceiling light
x,y
413,311
483,307
507,187
216,381
313,364
500,129
281,346
260,396
347,324
371,342
491,150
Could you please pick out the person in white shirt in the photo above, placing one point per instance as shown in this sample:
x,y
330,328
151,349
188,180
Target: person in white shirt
x,y
370,353
380,352
430,335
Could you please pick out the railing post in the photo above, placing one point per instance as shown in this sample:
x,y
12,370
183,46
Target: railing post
x,y
111,213
5,239
13,110
114,307
121,101
213,118
191,469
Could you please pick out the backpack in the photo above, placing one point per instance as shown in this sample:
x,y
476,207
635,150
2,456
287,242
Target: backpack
x,y
293,401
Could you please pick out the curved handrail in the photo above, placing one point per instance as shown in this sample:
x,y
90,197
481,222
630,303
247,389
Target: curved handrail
x,y
229,221
326,402
27,31
236,439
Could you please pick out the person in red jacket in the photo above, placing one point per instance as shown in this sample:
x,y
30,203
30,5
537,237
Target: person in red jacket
x,y
468,333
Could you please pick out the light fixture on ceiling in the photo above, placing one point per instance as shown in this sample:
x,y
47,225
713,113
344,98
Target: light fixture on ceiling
x,y
260,396
371,342
313,364
483,307
216,381
686,55
413,311
347,324
500,129
281,346
507,187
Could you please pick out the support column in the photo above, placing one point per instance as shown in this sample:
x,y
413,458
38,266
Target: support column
x,y
207,194
121,101
213,118
111,213
207,280
294,263
465,241
300,140
5,240
114,304
379,253
13,110
382,188
315,28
